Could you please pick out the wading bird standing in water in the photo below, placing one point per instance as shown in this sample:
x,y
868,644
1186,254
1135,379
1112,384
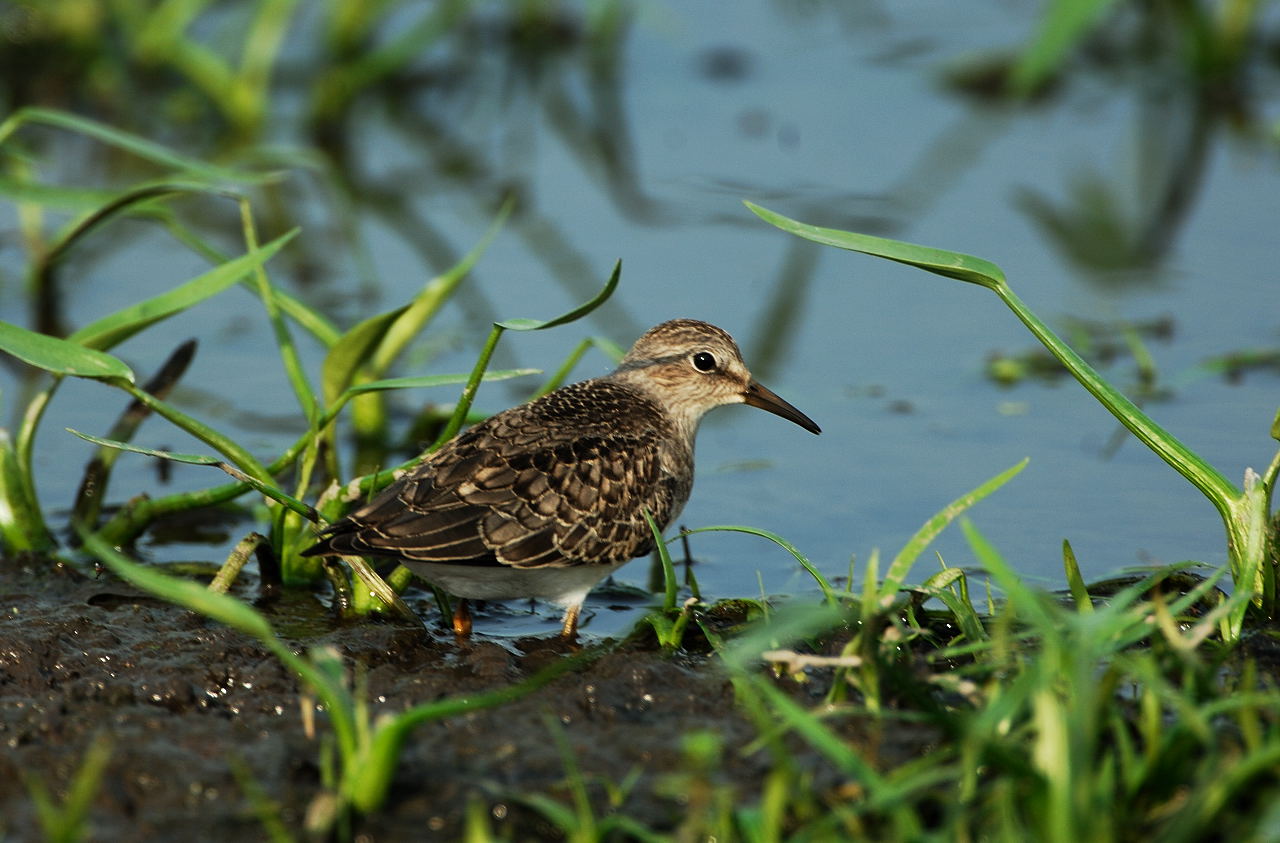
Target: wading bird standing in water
x,y
546,499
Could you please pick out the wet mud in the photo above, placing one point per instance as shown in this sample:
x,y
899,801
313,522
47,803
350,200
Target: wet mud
x,y
197,715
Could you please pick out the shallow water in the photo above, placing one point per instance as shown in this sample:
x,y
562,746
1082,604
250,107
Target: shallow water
x,y
830,115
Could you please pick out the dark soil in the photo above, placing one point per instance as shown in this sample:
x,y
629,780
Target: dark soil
x,y
185,700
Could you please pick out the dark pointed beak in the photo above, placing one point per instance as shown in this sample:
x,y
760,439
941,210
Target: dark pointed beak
x,y
760,396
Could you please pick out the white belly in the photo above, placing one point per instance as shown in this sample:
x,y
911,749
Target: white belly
x,y
562,586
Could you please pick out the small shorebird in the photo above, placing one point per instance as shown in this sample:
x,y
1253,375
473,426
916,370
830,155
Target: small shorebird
x,y
546,499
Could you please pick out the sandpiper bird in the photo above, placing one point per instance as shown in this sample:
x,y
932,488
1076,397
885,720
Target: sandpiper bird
x,y
546,499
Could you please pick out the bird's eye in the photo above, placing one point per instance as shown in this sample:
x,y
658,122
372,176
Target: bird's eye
x,y
704,361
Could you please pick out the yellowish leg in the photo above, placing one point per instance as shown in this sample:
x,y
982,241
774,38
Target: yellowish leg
x,y
570,627
462,618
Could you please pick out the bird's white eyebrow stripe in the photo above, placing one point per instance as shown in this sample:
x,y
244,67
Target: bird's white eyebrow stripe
x,y
650,361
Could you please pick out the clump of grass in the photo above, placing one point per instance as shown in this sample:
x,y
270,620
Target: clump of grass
x,y
354,373
1051,721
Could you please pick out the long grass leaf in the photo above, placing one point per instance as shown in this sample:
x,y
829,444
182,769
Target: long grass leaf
x,y
220,607
956,265
1024,600
347,79
61,357
212,437
233,613
573,315
1243,516
267,489
119,326
409,321
424,381
137,199
901,564
97,472
55,196
353,350
670,586
966,617
827,590
368,784
146,149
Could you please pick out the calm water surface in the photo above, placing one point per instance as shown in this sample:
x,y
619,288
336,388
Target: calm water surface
x,y
842,118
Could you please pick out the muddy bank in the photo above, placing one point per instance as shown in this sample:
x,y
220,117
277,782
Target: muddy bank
x,y
184,701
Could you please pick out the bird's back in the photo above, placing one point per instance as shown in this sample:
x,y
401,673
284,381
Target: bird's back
x,y
563,480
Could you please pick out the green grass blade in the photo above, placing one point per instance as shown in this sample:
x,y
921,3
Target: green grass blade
x,y
220,607
309,318
68,822
1024,600
233,613
55,196
86,784
368,784
486,353
1075,582
143,198
956,265
609,347
573,315
97,472
979,271
804,723
423,381
266,489
869,604
267,811
670,586
369,349
901,564
353,350
127,142
258,57
119,326
61,357
192,459
410,320
419,382
22,526
1062,26
345,80
1245,522
1220,491
289,358
829,593
220,442
961,609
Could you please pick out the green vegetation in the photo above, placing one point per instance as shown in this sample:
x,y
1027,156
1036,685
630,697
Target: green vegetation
x,y
896,704
353,369
1135,713
1253,546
